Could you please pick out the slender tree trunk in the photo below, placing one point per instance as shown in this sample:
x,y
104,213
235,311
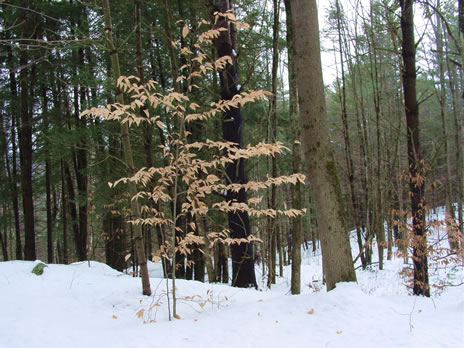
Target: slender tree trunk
x,y
273,231
146,126
48,190
416,187
243,272
459,124
3,175
135,209
71,194
442,99
79,151
321,168
362,207
201,225
297,223
4,239
346,137
13,175
171,51
64,212
25,145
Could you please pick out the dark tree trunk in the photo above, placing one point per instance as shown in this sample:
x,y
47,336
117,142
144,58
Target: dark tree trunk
x,y
4,242
48,191
64,215
80,151
3,176
199,266
243,272
421,279
13,175
115,241
221,264
25,146
81,254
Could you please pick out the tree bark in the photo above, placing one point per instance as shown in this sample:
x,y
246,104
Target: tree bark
x,y
442,99
25,143
135,209
321,168
416,187
297,223
64,212
48,190
13,173
243,272
273,231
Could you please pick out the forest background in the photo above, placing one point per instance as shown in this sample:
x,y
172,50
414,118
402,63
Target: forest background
x,y
56,62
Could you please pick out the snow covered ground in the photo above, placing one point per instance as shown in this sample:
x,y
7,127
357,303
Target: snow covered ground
x,y
91,305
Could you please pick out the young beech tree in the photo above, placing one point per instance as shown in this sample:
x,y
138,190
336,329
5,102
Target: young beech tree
x,y
195,170
337,262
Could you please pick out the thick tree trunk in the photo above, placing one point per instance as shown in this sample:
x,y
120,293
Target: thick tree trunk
x,y
321,168
416,187
243,272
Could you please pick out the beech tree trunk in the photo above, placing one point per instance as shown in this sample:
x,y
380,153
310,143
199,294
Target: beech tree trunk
x,y
337,262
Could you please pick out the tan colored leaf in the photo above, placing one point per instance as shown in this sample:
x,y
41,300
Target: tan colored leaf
x,y
185,31
140,313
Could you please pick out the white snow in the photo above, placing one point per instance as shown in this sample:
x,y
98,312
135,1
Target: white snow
x,y
91,305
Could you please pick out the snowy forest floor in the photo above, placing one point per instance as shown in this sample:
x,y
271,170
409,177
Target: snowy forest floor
x,y
91,305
